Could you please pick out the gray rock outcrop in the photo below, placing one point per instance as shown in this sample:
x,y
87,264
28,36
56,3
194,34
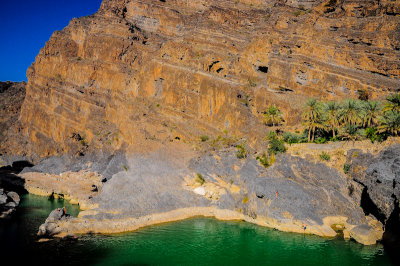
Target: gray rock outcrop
x,y
51,226
378,187
8,203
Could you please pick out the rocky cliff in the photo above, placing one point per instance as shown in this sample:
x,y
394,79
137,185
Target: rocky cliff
x,y
167,69
377,189
12,95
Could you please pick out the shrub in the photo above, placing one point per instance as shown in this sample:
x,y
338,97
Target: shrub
x,y
200,179
325,156
276,146
204,138
263,160
290,138
371,134
241,151
125,168
294,138
320,140
346,168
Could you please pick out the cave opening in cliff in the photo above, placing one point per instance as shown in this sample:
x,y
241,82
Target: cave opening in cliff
x,y
211,65
263,69
369,207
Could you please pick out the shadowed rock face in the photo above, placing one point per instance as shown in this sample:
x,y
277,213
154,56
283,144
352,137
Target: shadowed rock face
x,y
379,191
379,177
198,66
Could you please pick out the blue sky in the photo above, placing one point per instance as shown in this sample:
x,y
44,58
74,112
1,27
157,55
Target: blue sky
x,y
26,25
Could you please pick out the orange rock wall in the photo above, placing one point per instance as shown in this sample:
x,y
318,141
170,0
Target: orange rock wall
x,y
205,66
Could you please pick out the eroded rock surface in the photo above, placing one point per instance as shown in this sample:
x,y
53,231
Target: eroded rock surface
x,y
12,95
164,69
293,193
378,179
50,226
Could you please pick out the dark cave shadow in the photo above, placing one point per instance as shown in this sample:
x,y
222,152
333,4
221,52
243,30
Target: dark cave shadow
x,y
9,179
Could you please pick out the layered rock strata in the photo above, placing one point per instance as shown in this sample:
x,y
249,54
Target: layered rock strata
x,y
164,69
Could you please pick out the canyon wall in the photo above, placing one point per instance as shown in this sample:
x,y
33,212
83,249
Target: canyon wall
x,y
162,70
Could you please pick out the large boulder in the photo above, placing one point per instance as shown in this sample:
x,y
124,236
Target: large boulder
x,y
8,202
50,226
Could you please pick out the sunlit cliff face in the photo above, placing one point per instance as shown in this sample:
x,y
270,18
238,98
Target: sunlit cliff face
x,y
160,69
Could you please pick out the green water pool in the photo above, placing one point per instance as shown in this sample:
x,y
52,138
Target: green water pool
x,y
197,241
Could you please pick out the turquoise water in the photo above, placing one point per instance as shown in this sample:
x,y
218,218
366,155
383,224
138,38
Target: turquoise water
x,y
197,241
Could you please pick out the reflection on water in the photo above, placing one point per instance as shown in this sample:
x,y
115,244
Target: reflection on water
x,y
199,241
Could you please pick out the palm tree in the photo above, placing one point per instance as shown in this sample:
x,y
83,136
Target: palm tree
x,y
393,103
332,116
371,113
351,112
350,132
390,123
273,115
312,116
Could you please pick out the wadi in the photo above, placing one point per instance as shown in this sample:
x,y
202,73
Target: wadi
x,y
284,114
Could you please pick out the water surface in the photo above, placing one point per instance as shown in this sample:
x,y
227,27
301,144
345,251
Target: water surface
x,y
199,241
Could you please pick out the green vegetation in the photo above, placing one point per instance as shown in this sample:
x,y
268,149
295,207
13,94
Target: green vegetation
x,y
241,151
392,103
320,140
200,179
224,141
263,159
332,117
325,156
346,168
292,138
125,168
312,117
350,120
204,138
275,144
273,116
390,123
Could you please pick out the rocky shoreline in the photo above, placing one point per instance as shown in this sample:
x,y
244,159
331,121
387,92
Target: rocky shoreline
x,y
9,201
293,195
